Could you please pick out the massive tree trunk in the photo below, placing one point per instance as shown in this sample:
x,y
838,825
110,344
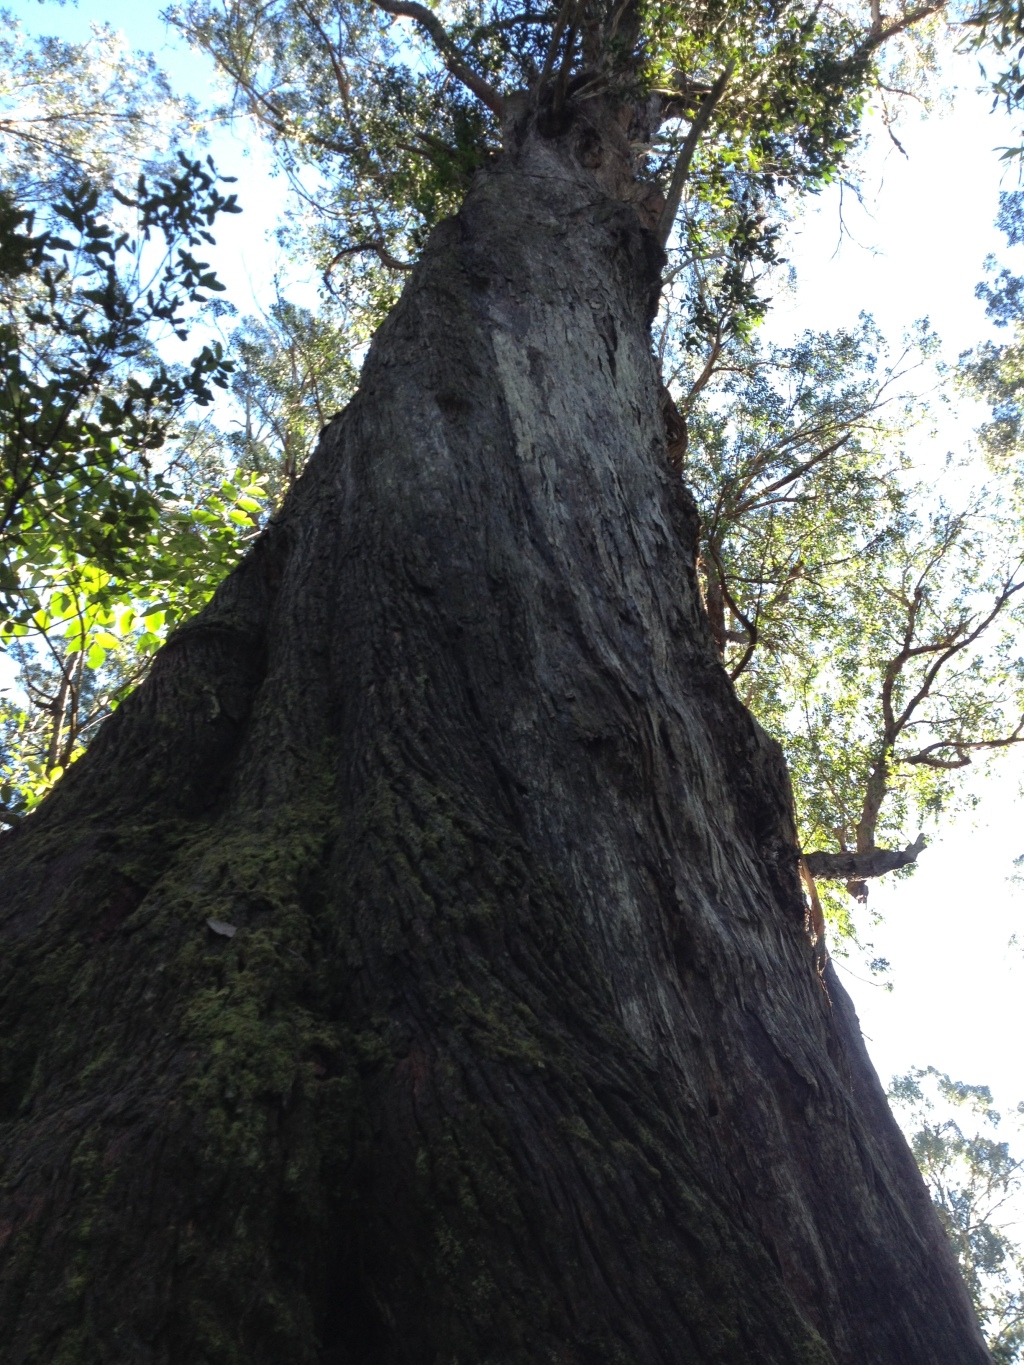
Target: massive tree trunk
x,y
414,971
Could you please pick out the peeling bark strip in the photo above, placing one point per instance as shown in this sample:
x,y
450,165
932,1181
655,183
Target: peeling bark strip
x,y
518,1052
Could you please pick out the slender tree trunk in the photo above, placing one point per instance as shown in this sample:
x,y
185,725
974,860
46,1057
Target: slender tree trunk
x,y
414,969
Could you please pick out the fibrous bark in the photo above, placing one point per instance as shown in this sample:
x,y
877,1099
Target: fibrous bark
x,y
519,1052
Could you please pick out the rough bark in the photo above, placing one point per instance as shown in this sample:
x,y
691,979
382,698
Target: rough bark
x,y
872,862
519,1052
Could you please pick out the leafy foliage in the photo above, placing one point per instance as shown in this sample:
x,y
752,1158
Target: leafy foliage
x,y
92,111
102,543
994,372
379,141
85,398
867,620
870,620
976,1183
90,640
293,372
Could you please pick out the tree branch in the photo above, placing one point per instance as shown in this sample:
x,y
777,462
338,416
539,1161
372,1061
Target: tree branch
x,y
880,35
682,168
841,867
452,57
704,377
962,747
945,650
753,503
377,245
556,38
276,119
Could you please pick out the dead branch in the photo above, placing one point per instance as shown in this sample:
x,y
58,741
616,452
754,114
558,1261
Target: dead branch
x,y
875,862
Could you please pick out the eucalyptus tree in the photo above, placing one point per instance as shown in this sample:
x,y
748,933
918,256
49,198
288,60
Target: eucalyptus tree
x,y
293,371
415,967
92,110
975,1179
870,618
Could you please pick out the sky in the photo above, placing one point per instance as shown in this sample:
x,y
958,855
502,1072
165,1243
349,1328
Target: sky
x,y
914,248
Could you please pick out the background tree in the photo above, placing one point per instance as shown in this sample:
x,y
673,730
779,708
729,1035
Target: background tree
x,y
871,624
92,111
975,1181
293,373
96,271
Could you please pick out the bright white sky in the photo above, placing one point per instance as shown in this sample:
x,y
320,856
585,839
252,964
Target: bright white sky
x,y
917,251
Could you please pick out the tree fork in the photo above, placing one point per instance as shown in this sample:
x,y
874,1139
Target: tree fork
x,y
414,968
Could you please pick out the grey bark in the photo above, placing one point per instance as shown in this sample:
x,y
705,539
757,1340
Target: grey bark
x,y
873,862
519,1052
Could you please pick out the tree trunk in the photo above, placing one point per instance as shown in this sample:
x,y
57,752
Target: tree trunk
x,y
414,969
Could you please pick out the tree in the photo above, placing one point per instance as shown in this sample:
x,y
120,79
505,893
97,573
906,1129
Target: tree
x,y
414,967
870,619
86,111
293,373
99,550
974,1180
86,399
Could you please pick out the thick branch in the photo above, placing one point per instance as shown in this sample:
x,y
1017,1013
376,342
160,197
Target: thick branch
x,y
702,380
693,137
556,38
880,34
453,59
562,80
875,862
750,628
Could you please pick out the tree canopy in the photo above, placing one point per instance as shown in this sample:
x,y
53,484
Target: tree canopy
x,y
102,545
975,1180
